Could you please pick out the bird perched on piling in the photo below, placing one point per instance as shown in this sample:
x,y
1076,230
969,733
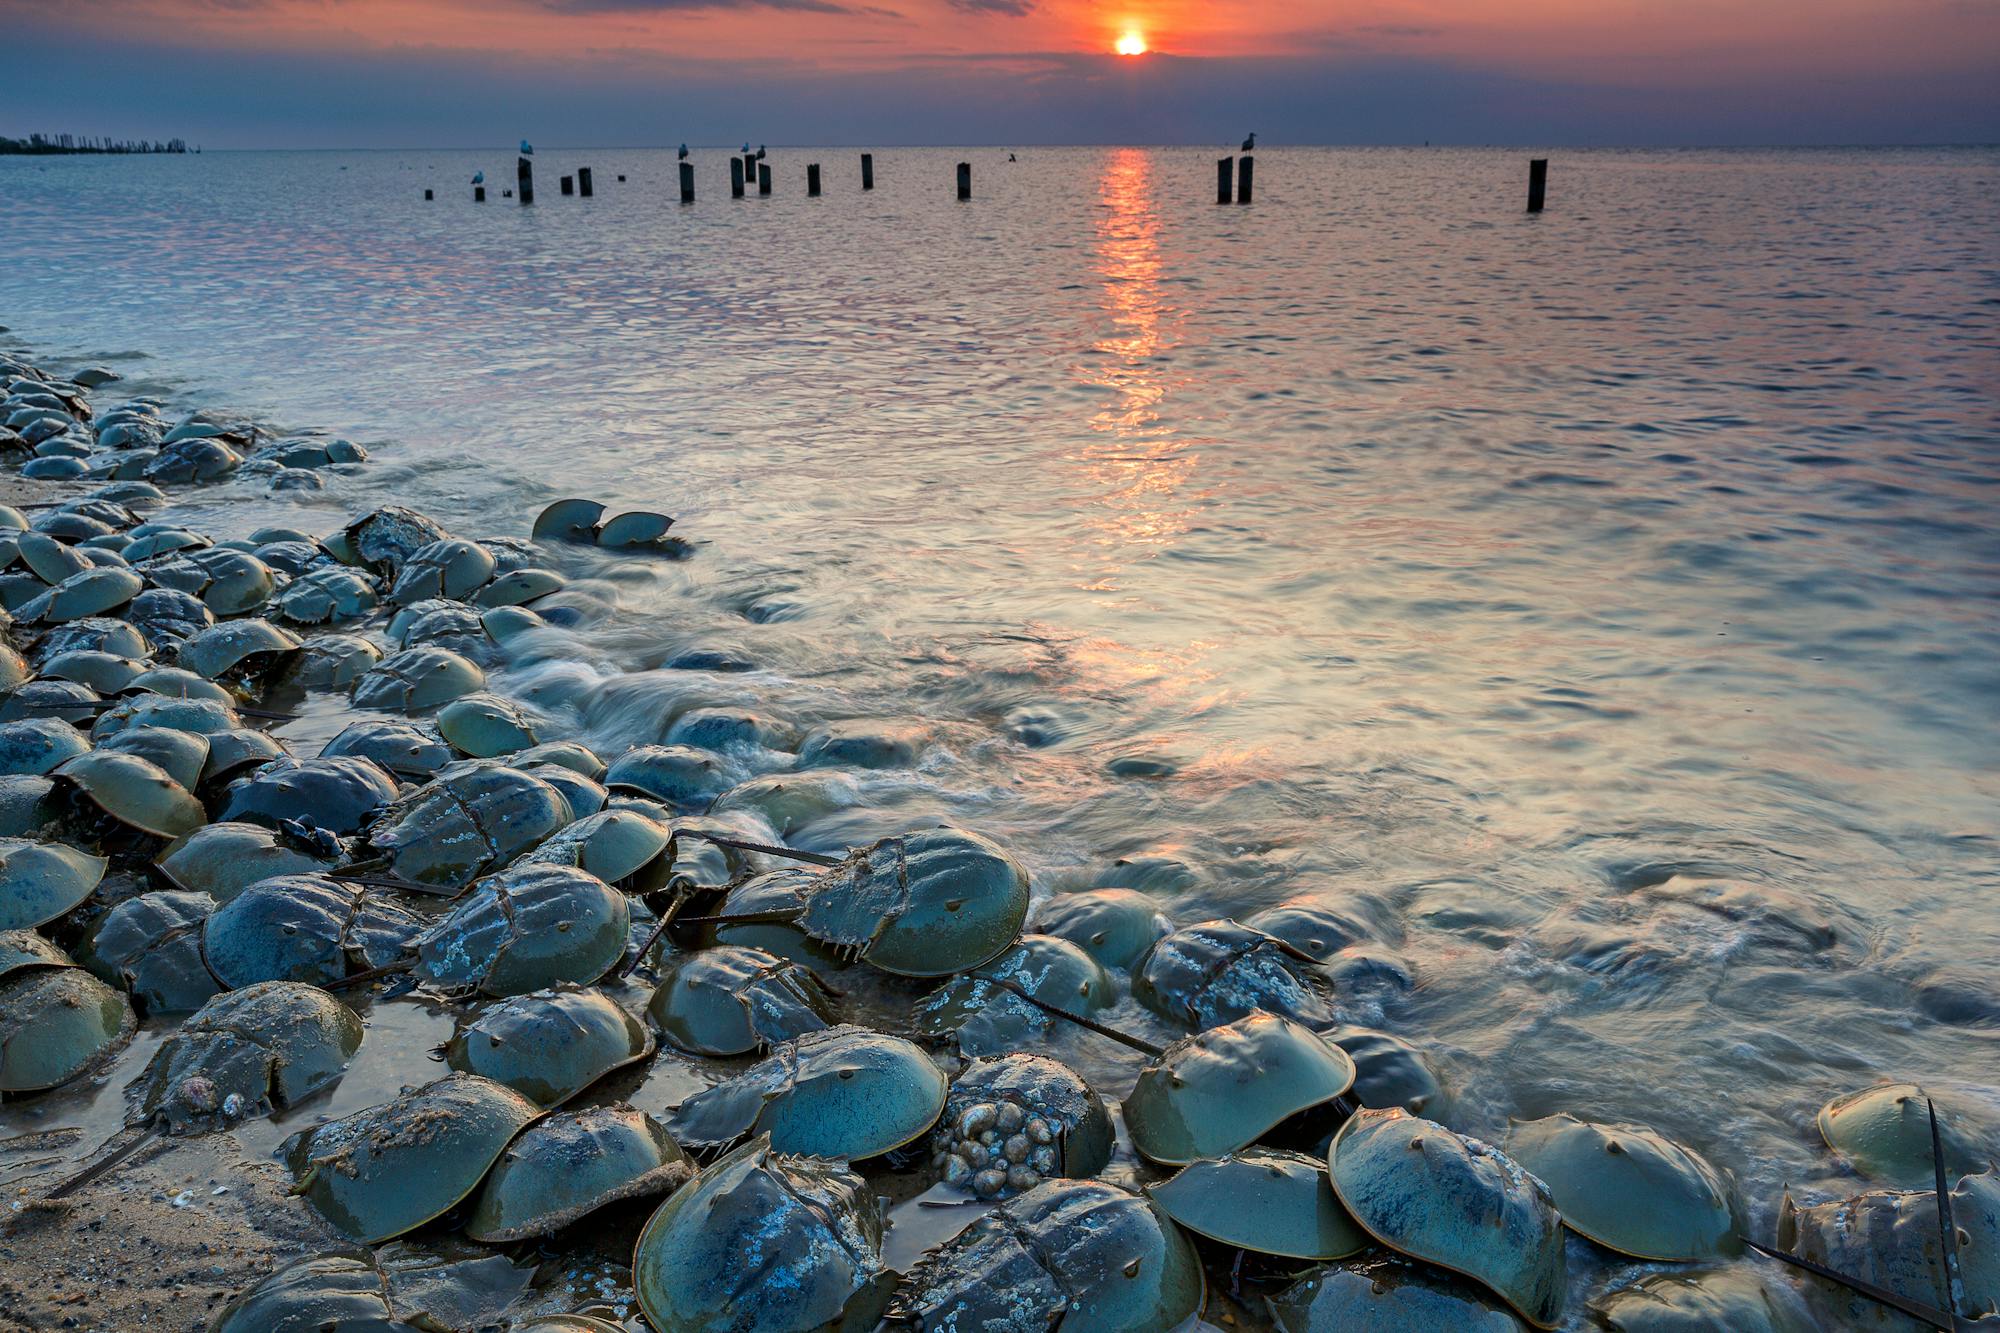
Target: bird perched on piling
x,y
527,149
684,152
1249,143
759,154
746,145
479,178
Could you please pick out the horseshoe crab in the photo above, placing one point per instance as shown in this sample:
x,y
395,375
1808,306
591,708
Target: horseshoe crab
x,y
336,794
1312,925
1012,1121
549,1045
246,1052
327,1293
205,716
62,700
223,859
411,750
134,792
1455,1202
105,673
1388,1071
526,929
168,617
24,949
384,538
1886,1237
40,881
1114,926
517,587
451,568
731,1001
762,1241
1223,1089
761,912
390,1169
417,679
181,755
1388,1295
27,804
987,1020
54,1023
572,1163
150,946
483,725
469,820
332,662
325,595
1262,1199
249,649
676,774
1737,1299
1221,970
1627,1187
94,592
841,1092
1079,1253
303,928
612,844
931,904
1884,1132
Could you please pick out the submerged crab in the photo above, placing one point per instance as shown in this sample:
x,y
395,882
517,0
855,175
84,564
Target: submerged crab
x,y
1013,1121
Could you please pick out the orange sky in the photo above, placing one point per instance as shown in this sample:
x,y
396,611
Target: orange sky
x,y
1636,41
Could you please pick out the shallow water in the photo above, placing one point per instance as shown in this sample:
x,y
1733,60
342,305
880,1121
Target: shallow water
x,y
1515,580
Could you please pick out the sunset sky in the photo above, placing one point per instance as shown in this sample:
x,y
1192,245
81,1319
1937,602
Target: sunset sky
x,y
362,73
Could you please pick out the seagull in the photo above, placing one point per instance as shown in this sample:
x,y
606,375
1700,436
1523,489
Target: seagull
x,y
1249,143
479,178
760,152
746,145
684,152
527,149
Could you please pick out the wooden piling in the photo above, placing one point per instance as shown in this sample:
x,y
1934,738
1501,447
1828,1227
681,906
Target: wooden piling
x,y
749,166
1246,174
1225,179
763,178
735,178
965,180
1538,182
621,180
687,182
524,179
479,194
569,185
812,178
868,171
583,181
429,195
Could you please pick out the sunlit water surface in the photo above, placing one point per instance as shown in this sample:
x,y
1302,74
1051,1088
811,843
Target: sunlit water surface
x,y
1515,580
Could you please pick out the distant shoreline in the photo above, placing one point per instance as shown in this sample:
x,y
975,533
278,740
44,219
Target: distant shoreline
x,y
51,145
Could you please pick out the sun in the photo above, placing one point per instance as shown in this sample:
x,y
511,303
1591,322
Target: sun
x,y
1131,44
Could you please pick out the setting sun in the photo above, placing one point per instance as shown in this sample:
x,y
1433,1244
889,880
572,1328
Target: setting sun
x,y
1131,44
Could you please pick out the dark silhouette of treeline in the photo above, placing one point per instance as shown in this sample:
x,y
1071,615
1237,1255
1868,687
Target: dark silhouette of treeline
x,y
74,143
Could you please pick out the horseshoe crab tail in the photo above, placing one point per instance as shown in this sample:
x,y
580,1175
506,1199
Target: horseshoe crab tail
x,y
1122,1038
811,858
1931,1315
102,1166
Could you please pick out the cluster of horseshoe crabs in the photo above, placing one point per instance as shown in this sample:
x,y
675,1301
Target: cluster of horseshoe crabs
x,y
883,1020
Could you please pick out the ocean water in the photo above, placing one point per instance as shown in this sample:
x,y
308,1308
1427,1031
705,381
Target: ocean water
x,y
1599,605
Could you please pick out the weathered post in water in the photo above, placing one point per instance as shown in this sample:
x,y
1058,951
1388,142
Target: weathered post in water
x,y
524,179
763,178
479,194
1246,176
1538,182
569,185
749,166
812,178
583,181
965,180
429,195
1225,179
868,171
735,178
687,182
